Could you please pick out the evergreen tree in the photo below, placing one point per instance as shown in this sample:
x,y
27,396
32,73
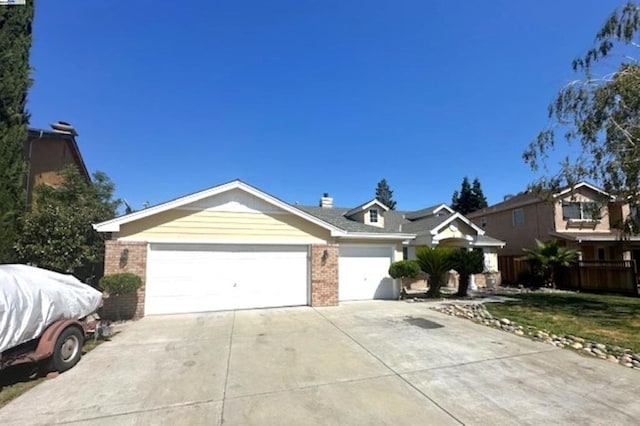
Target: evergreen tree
x,y
469,198
479,200
15,43
384,194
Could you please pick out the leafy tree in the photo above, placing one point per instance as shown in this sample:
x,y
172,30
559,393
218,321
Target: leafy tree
x,y
466,263
15,43
58,234
384,194
600,114
404,269
470,198
435,261
549,257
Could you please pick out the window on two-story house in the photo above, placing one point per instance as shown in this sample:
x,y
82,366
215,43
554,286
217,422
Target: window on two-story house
x,y
517,217
580,210
373,216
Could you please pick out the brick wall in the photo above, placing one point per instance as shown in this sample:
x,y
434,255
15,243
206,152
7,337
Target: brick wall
x,y
324,275
131,257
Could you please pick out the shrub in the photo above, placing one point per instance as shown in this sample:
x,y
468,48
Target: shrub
x,y
436,262
119,284
404,269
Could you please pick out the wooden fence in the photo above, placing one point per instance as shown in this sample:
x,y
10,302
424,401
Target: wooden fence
x,y
601,277
586,275
510,267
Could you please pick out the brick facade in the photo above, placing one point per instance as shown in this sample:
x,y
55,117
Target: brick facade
x,y
324,275
122,256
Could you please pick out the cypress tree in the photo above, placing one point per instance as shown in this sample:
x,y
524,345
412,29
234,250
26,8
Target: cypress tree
x,y
15,44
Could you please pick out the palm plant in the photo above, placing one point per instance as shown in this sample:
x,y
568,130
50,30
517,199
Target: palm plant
x,y
436,262
466,263
549,257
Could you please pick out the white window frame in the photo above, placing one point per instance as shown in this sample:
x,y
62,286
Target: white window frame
x,y
514,217
583,211
373,215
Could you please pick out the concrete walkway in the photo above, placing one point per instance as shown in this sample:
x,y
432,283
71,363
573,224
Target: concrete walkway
x,y
359,363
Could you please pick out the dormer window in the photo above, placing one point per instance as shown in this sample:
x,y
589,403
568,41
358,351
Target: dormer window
x,y
373,216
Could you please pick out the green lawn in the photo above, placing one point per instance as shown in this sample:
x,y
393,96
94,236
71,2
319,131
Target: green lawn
x,y
613,320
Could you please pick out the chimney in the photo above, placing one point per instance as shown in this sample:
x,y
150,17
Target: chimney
x,y
326,202
64,128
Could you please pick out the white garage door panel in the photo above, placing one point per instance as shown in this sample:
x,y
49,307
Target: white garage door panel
x,y
363,273
198,278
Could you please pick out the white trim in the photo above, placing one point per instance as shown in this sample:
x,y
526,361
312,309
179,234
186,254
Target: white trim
x,y
365,206
374,236
455,216
475,244
443,206
579,185
113,225
222,241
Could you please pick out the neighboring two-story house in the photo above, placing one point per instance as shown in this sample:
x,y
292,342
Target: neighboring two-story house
x,y
47,152
583,217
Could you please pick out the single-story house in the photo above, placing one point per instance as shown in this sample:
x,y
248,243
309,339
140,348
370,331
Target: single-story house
x,y
234,246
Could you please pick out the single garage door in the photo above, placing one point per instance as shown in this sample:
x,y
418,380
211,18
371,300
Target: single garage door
x,y
363,273
202,277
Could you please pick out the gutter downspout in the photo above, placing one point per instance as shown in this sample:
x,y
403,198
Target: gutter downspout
x,y
29,165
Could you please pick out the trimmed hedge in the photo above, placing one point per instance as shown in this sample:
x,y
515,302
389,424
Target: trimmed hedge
x,y
119,284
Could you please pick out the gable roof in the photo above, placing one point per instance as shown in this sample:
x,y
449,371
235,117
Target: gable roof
x,y
113,225
428,211
530,197
459,216
337,216
570,189
426,224
365,206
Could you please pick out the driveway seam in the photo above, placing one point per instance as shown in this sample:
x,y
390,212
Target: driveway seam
x,y
226,378
480,361
303,388
389,368
142,410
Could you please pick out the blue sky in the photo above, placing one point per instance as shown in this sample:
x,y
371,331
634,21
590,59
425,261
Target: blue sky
x,y
304,97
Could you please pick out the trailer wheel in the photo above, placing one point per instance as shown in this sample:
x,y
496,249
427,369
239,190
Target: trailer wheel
x,y
68,349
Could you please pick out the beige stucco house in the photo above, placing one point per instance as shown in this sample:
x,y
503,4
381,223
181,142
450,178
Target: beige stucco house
x,y
234,246
583,217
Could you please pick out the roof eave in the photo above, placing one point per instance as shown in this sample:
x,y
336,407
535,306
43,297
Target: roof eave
x,y
113,225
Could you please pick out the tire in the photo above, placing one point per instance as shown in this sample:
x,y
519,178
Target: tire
x,y
68,349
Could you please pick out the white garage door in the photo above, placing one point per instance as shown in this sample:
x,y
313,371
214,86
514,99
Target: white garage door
x,y
202,277
363,273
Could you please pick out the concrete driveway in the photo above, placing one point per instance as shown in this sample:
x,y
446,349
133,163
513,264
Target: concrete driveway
x,y
359,363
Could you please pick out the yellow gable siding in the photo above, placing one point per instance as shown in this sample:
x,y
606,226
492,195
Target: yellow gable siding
x,y
189,225
463,229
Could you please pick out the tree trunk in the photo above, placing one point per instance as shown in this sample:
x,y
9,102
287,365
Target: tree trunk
x,y
434,287
463,285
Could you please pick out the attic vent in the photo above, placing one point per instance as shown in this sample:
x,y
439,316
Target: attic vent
x,y
64,127
326,201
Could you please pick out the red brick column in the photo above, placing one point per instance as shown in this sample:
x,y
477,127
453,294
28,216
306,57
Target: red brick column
x,y
324,275
122,256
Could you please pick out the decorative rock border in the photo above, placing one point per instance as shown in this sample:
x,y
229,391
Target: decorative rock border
x,y
477,312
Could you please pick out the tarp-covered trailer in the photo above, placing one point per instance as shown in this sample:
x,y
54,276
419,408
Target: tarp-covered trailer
x,y
41,314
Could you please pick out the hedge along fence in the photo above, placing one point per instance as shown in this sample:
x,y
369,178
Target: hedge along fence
x,y
122,290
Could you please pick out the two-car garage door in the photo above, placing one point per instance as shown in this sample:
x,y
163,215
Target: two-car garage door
x,y
204,277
